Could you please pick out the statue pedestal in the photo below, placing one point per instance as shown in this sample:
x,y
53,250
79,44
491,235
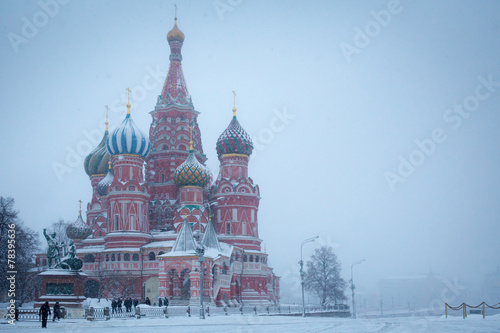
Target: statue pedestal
x,y
63,286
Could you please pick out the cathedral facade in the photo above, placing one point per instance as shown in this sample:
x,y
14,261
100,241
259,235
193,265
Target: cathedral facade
x,y
154,205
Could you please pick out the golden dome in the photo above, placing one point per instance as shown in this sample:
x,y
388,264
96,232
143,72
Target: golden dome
x,y
175,34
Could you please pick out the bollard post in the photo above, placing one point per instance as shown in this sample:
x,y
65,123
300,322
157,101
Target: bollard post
x,y
483,311
241,309
188,311
255,309
208,311
106,313
137,312
165,311
464,308
267,309
446,310
225,310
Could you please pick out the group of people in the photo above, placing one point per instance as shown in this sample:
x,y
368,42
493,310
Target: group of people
x,y
44,313
116,304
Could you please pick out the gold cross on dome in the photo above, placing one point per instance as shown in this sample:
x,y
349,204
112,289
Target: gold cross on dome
x,y
107,122
80,201
234,107
128,93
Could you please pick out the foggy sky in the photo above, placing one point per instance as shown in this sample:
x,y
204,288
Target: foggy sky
x,y
337,96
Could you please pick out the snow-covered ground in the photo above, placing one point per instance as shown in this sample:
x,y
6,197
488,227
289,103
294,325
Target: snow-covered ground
x,y
261,324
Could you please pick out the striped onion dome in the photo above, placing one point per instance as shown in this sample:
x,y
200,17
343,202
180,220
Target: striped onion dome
x,y
234,140
192,173
78,229
128,139
96,163
103,185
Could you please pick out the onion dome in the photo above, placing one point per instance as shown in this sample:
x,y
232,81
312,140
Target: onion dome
x,y
175,34
128,139
96,162
191,172
79,229
234,140
103,185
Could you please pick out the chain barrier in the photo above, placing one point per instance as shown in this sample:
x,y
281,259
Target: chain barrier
x,y
464,306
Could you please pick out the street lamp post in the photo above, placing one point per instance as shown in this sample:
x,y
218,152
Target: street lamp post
x,y
302,272
352,288
200,251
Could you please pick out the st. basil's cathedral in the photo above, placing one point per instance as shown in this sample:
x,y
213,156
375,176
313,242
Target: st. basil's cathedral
x,y
154,204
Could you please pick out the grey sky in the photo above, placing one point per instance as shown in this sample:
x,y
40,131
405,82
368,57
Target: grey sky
x,y
321,171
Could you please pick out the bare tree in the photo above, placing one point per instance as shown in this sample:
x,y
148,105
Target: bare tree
x,y
18,245
323,276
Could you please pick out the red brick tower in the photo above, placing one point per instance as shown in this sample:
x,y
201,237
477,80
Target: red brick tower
x,y
128,223
169,135
237,196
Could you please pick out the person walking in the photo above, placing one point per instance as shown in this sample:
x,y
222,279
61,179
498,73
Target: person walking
x,y
165,301
160,303
57,312
148,302
113,306
44,312
119,304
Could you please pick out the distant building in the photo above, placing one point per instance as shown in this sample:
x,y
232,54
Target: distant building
x,y
154,202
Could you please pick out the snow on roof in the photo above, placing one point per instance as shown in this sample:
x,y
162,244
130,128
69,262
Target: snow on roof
x,y
122,249
61,272
90,249
168,243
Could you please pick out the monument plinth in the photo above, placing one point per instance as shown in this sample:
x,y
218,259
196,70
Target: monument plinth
x,y
63,286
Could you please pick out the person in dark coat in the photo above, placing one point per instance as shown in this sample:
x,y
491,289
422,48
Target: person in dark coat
x,y
119,304
165,301
136,302
160,303
148,302
57,312
44,312
113,306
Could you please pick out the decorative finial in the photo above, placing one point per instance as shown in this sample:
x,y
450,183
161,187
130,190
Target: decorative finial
x,y
107,122
109,165
190,137
128,100
234,107
80,211
175,18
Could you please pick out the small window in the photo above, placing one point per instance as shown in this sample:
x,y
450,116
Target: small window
x,y
162,177
120,173
131,173
131,188
107,257
256,259
116,222
152,256
251,258
113,257
126,257
89,258
118,257
135,257
228,228
44,262
244,258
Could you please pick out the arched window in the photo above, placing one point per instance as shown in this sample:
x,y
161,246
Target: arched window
x,y
236,257
126,257
251,258
244,258
113,257
89,258
224,269
256,259
119,257
152,256
135,257
228,228
107,257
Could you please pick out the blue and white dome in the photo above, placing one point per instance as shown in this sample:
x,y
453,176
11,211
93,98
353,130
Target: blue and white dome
x,y
128,139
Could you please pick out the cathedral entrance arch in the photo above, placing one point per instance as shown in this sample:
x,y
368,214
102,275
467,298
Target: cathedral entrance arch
x,y
151,289
186,284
